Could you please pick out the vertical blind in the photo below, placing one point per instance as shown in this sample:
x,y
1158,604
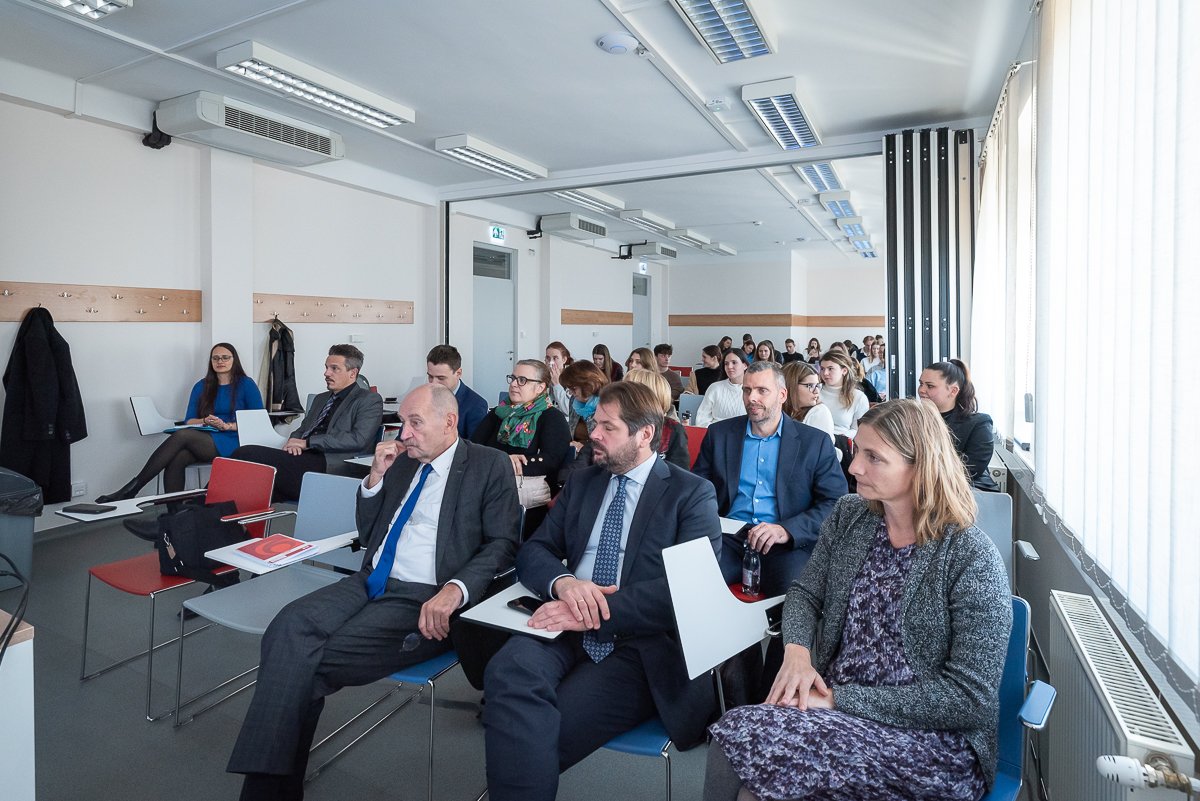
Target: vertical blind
x,y
1093,163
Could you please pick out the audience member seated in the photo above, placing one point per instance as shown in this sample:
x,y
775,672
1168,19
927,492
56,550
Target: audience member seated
x,y
852,350
672,445
948,386
725,344
803,402
341,423
866,350
438,517
640,359
723,399
895,637
840,392
443,365
550,703
537,443
662,357
876,368
214,402
813,355
790,354
778,477
558,357
604,360
871,360
860,378
703,377
748,350
765,352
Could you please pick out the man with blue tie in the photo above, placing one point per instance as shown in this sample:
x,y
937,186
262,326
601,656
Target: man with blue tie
x,y
597,561
439,518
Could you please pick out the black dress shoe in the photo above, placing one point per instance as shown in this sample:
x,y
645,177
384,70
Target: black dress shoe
x,y
146,529
126,492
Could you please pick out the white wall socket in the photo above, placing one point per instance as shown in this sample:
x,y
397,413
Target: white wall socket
x,y
79,489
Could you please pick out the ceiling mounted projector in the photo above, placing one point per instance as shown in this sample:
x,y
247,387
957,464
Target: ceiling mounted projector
x,y
617,43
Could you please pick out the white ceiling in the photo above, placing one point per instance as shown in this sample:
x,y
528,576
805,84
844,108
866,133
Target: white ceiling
x,y
526,76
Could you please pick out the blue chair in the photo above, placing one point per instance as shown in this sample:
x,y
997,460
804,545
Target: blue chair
x,y
1019,709
650,740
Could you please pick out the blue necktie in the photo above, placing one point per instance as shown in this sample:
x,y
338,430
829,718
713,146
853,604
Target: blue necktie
x,y
377,581
608,553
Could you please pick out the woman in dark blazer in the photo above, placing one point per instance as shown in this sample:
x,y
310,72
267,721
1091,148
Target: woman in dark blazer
x,y
895,637
948,386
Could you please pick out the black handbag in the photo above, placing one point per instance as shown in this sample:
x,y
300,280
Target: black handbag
x,y
184,536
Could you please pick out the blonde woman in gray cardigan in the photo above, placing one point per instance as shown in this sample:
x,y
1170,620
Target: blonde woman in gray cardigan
x,y
894,637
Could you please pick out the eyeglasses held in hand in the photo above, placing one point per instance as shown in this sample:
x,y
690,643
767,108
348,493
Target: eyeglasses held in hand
x,y
521,380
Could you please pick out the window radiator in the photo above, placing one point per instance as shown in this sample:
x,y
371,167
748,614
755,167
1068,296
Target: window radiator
x,y
1104,706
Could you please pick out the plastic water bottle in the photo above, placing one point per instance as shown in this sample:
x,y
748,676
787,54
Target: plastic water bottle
x,y
751,571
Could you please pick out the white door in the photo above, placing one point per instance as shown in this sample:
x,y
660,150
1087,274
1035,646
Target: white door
x,y
641,311
494,321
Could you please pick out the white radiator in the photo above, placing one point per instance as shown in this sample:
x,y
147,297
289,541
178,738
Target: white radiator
x,y
1104,706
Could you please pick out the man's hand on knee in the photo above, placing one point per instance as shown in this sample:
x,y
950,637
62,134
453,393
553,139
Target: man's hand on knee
x,y
434,622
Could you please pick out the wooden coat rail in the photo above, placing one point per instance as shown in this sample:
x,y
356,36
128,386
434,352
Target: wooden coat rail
x,y
84,303
312,309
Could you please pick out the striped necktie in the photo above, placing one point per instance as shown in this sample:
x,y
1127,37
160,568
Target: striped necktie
x,y
608,554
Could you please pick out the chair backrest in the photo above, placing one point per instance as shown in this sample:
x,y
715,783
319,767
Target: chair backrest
x,y
1012,690
502,397
695,436
254,428
995,520
247,484
326,506
713,625
147,416
684,372
689,403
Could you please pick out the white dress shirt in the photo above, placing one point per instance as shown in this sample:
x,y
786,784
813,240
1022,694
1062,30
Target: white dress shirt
x,y
416,550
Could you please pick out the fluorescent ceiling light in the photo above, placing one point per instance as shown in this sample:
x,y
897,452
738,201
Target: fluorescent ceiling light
x,y
592,199
851,226
294,78
776,106
482,156
721,249
820,176
728,27
92,9
867,254
647,221
862,243
689,237
837,203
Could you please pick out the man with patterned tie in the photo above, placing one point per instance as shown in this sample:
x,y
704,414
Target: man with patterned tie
x,y
618,662
439,518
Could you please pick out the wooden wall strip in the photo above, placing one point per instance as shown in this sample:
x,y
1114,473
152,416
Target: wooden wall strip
x,y
313,309
76,303
863,321
592,317
747,321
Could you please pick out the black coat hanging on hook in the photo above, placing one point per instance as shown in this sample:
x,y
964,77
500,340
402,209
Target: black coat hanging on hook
x,y
43,410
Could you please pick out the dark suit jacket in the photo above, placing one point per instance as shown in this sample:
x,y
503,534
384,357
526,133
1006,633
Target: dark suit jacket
x,y
808,479
352,429
479,525
472,408
674,507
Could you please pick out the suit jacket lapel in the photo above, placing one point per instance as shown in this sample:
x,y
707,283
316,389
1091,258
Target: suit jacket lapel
x,y
458,466
656,485
589,510
789,452
733,466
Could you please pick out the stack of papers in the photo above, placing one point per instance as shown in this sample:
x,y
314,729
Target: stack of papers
x,y
276,550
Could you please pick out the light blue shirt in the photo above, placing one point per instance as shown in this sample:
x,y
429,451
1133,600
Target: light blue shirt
x,y
633,491
755,501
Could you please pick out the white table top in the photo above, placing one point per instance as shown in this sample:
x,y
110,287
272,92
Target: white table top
x,y
230,554
494,612
132,506
365,461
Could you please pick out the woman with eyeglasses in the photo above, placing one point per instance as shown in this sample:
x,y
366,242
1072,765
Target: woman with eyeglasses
x,y
948,386
211,412
526,426
583,381
803,402
724,398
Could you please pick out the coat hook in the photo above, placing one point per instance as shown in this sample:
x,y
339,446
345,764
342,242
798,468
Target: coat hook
x,y
185,311
303,314
162,297
7,293
290,302
320,303
258,300
369,306
345,305
141,311
331,314
117,296
380,316
90,310
64,294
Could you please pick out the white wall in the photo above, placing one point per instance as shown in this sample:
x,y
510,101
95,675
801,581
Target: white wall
x,y
850,287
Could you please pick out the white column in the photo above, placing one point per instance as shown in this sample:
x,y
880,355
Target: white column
x,y
228,283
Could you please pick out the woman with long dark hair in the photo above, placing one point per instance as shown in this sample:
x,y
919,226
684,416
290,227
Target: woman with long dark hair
x,y
214,402
558,357
704,377
604,360
948,386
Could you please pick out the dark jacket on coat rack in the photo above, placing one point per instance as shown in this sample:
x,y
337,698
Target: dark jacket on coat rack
x,y
280,391
43,410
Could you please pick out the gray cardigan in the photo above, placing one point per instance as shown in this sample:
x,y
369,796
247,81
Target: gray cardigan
x,y
955,624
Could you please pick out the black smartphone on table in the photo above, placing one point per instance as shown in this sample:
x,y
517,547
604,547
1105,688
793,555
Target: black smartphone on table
x,y
526,604
89,508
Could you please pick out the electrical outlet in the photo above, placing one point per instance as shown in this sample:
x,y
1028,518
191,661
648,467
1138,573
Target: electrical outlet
x,y
79,489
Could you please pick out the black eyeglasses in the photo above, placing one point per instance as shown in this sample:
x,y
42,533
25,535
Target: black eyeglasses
x,y
521,380
810,387
226,358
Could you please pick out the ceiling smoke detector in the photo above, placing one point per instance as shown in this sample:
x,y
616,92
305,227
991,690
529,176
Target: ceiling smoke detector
x,y
617,43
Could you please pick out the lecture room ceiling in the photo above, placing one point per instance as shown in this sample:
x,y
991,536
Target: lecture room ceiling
x,y
527,76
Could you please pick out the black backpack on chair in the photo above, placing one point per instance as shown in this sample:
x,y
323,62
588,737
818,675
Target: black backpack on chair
x,y
185,535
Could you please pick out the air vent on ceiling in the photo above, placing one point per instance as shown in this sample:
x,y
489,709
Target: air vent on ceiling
x,y
654,251
229,124
573,226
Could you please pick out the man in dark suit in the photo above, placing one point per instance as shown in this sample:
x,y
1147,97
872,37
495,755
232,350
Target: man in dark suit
x,y
439,518
443,366
780,477
618,662
342,422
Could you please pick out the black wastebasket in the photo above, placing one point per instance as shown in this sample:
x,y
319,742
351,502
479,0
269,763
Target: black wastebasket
x,y
20,503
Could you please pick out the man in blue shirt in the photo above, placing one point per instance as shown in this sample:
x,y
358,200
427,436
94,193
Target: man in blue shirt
x,y
778,476
444,366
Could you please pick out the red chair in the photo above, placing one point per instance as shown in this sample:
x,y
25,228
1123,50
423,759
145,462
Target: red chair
x,y
695,435
249,486
684,372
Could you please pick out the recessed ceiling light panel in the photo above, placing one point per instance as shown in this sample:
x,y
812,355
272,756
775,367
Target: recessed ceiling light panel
x,y
775,105
647,221
729,28
837,203
820,176
689,237
592,199
483,156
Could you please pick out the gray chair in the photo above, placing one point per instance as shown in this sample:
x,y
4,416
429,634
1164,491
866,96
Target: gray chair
x,y
996,520
689,403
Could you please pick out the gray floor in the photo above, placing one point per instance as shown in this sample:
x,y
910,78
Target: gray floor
x,y
93,742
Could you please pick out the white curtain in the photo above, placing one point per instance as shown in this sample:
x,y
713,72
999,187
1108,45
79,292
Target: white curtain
x,y
1113,279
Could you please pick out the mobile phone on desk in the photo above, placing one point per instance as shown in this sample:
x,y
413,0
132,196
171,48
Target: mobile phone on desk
x,y
526,604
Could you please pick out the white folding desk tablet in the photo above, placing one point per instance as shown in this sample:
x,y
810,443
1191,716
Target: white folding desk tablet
x,y
230,555
495,613
132,506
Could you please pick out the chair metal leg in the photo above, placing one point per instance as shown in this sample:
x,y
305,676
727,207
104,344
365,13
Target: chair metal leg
x,y
432,710
667,758
180,703
316,772
87,609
